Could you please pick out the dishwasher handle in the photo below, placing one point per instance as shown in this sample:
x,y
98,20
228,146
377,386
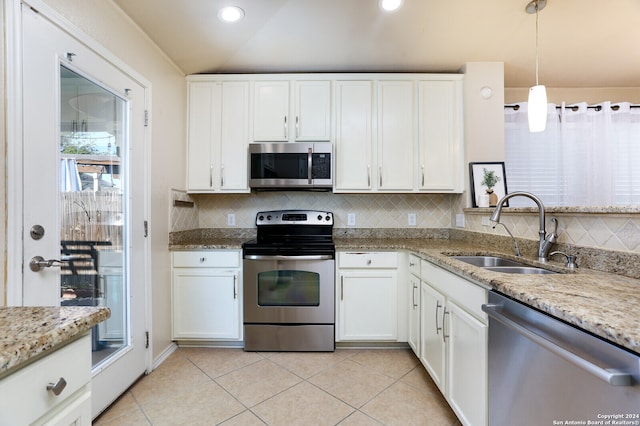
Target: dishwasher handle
x,y
612,376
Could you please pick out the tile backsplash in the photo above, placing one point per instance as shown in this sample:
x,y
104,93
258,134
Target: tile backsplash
x,y
619,232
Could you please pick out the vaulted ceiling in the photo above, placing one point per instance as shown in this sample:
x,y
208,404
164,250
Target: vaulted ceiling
x,y
582,43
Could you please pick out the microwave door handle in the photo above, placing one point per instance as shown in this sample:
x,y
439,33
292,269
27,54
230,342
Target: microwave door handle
x,y
309,164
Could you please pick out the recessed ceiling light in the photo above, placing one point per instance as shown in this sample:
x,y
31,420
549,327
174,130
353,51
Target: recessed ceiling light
x,y
230,14
390,5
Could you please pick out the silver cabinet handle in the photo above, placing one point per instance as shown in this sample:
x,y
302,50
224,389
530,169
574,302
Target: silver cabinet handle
x,y
612,376
438,306
341,288
221,176
57,387
380,175
369,175
235,291
297,127
285,127
413,295
211,175
38,263
422,175
444,335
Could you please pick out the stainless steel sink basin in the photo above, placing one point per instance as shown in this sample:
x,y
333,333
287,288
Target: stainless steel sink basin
x,y
487,261
500,264
519,270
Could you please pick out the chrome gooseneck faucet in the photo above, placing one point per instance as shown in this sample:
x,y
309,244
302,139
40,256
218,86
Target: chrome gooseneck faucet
x,y
545,240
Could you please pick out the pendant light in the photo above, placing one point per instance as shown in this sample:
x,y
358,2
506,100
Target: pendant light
x,y
537,104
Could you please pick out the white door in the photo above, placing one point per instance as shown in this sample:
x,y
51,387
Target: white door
x,y
84,195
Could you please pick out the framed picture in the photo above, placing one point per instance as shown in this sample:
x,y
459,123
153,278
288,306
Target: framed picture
x,y
488,183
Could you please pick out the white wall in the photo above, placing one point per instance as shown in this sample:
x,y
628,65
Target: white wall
x,y
105,23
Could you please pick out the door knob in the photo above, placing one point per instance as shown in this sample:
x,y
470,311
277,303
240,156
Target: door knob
x,y
37,263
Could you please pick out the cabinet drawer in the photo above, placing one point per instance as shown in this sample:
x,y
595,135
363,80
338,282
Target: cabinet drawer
x,y
206,259
466,294
25,397
414,265
372,259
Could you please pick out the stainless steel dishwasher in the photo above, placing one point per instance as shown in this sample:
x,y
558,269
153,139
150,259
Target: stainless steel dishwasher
x,y
543,371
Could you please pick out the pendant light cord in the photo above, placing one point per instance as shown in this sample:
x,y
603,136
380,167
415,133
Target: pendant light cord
x,y
536,5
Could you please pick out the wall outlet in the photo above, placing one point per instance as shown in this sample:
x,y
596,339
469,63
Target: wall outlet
x,y
351,219
486,221
411,219
231,219
460,220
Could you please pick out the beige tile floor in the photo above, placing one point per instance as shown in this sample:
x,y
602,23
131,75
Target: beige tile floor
x,y
204,386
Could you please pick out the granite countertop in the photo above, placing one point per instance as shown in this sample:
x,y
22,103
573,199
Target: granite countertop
x,y
604,304
27,333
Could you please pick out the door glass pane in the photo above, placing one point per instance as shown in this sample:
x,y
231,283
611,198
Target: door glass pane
x,y
288,288
92,202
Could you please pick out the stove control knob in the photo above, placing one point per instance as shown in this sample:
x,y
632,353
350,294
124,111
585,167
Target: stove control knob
x,y
319,217
260,218
269,217
328,218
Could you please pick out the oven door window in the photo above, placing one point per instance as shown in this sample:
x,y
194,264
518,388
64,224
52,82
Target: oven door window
x,y
288,288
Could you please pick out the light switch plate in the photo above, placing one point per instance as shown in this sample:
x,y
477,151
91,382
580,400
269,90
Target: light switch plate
x,y
231,219
460,220
351,219
486,221
411,219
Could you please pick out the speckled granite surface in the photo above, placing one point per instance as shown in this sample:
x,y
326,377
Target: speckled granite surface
x,y
603,303
29,332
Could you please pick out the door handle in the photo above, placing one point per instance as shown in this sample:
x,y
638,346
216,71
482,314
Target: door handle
x,y
38,263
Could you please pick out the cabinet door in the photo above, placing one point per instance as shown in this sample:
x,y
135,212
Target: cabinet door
x,y
205,304
271,111
432,339
203,134
414,314
234,140
396,140
368,305
440,136
313,111
467,373
354,137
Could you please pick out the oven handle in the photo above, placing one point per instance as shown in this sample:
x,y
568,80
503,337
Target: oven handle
x,y
281,257
612,376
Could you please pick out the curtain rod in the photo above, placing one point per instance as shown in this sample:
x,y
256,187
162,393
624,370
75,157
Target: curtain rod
x,y
576,107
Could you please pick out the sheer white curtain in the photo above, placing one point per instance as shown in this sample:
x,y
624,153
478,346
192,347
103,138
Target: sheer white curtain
x,y
587,156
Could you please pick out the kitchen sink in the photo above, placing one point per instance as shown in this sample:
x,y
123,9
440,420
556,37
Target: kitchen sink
x,y
519,270
500,264
487,261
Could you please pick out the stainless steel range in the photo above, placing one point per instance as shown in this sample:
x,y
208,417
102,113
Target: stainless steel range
x,y
289,282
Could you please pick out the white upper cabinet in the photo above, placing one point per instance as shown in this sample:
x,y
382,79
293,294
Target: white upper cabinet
x,y
391,133
354,136
218,136
441,156
396,136
279,118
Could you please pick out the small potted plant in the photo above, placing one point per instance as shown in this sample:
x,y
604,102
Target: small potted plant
x,y
489,179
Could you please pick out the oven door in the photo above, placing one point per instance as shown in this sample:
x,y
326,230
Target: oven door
x,y
289,289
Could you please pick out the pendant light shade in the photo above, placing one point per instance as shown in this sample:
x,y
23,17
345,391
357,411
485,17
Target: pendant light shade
x,y
537,108
537,103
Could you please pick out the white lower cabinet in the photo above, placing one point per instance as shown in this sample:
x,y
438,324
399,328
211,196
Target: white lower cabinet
x,y
27,400
206,292
453,341
367,293
413,331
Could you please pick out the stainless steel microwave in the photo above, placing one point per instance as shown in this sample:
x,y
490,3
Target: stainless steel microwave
x,y
290,165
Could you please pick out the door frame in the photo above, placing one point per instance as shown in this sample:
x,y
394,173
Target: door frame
x,y
14,154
